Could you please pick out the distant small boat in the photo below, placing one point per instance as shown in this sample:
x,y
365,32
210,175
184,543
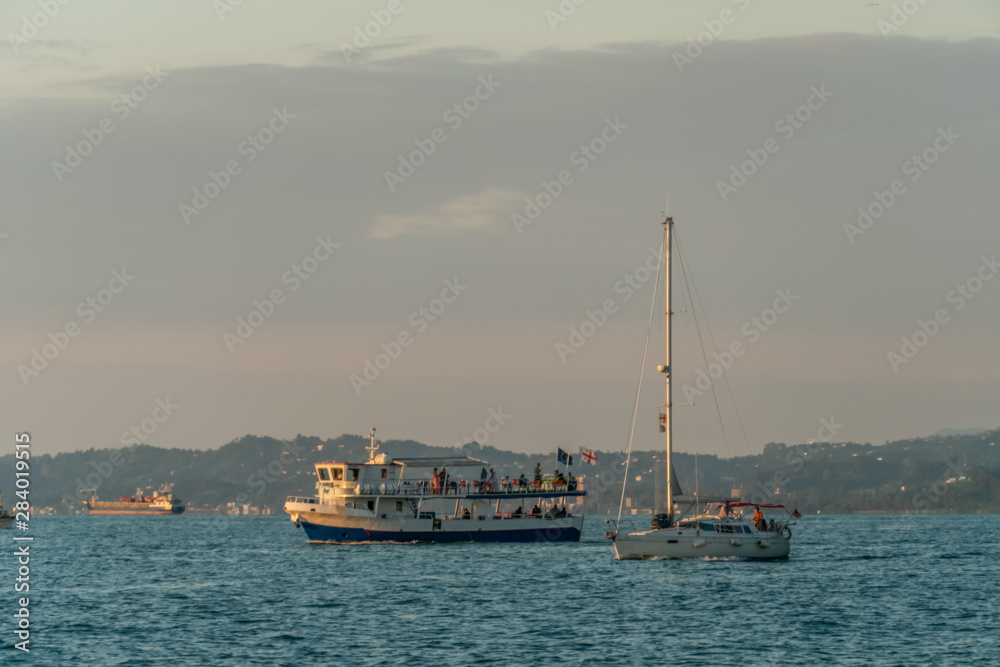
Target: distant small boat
x,y
724,528
163,501
400,500
6,518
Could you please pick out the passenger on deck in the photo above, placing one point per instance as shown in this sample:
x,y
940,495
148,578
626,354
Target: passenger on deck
x,y
770,526
538,475
724,511
465,514
536,510
522,482
436,481
443,479
570,482
482,479
557,512
517,513
492,481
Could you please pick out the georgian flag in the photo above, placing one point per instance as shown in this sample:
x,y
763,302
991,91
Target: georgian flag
x,y
588,456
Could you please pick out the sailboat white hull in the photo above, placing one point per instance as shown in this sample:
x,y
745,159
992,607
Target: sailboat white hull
x,y
698,544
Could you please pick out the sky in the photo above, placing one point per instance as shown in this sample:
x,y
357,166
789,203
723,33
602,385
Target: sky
x,y
218,217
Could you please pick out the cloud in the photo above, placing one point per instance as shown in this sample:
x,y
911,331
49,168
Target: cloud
x,y
476,211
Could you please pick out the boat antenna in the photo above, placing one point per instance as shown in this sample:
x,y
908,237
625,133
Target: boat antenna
x,y
373,445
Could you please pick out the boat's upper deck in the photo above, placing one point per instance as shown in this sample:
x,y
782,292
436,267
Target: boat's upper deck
x,y
454,477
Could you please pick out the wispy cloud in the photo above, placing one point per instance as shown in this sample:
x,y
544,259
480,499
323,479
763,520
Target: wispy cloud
x,y
475,211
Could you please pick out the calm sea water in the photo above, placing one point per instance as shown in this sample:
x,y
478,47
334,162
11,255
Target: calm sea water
x,y
209,590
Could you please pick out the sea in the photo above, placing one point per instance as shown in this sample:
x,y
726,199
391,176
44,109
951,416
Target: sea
x,y
215,590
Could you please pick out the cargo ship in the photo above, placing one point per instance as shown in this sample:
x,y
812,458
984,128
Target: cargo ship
x,y
163,501
6,518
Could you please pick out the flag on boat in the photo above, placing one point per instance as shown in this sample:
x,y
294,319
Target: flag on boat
x,y
796,514
588,456
563,457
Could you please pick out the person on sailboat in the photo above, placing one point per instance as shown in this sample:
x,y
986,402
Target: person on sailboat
x,y
758,519
724,512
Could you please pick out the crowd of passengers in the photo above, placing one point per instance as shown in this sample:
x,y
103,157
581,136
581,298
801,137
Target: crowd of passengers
x,y
441,483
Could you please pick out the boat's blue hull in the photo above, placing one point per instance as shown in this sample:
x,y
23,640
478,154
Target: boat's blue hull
x,y
318,533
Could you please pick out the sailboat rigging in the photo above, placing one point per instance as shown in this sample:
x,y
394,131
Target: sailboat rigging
x,y
723,528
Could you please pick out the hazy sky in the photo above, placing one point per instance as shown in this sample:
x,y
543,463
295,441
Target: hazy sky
x,y
167,166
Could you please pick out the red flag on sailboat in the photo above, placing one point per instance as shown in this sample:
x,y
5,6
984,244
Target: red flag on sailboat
x,y
588,456
796,514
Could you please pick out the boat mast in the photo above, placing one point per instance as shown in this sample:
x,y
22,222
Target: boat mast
x,y
668,224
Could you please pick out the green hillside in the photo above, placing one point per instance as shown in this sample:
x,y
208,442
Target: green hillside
x,y
956,473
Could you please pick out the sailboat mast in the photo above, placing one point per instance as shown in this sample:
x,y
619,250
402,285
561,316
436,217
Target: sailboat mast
x,y
668,224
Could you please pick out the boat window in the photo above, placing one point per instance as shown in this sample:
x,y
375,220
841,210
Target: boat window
x,y
352,474
746,529
399,505
385,473
371,505
338,473
324,474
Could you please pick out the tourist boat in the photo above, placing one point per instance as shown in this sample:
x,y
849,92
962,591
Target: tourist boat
x,y
6,518
163,501
724,527
397,500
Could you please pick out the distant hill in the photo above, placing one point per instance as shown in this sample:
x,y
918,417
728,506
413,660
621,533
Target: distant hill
x,y
960,431
941,473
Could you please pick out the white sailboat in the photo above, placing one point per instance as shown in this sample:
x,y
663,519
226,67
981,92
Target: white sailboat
x,y
724,528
